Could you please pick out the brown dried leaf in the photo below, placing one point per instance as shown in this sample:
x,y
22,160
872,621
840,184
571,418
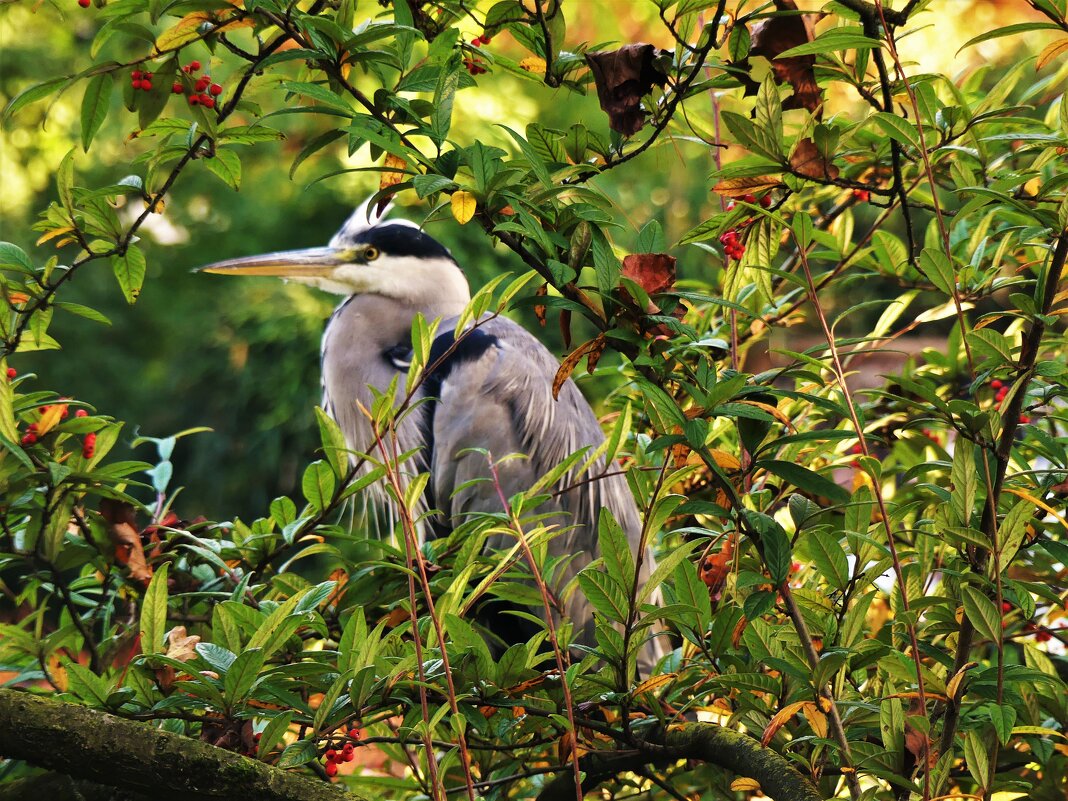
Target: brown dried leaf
x,y
752,185
806,160
714,567
122,529
395,172
653,272
623,77
180,645
572,360
539,308
565,327
777,35
816,719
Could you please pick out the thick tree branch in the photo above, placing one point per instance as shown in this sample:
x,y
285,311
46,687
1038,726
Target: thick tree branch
x,y
101,748
706,742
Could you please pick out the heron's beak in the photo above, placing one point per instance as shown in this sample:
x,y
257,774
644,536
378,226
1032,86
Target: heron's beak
x,y
310,263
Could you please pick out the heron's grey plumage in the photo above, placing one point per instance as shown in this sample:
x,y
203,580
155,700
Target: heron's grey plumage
x,y
492,392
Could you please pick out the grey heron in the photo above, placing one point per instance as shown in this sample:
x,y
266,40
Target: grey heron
x,y
490,392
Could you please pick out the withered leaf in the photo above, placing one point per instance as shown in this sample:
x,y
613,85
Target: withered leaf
x,y
653,272
122,529
623,77
776,35
539,308
572,360
806,160
748,185
180,645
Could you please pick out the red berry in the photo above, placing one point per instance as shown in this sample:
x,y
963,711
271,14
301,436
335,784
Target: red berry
x,y
29,439
32,427
347,747
331,769
476,41
354,734
1043,636
348,756
257,736
749,198
136,75
12,372
81,413
863,195
146,86
996,384
176,87
85,3
1006,607
147,76
331,755
207,100
194,65
194,100
857,448
215,89
187,69
1024,419
486,39
202,83
730,206
766,201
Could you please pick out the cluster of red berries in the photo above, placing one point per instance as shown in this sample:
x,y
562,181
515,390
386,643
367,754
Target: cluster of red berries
x,y
1041,634
1001,390
346,754
89,446
141,80
931,435
732,245
471,65
861,195
204,91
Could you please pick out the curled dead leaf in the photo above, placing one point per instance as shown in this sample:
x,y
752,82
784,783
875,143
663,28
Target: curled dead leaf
x,y
816,719
394,173
181,646
779,720
623,77
753,184
568,365
776,35
122,530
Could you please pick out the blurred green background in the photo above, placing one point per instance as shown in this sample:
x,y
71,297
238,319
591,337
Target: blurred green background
x,y
241,356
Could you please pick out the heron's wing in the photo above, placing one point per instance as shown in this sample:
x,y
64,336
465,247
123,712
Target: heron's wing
x,y
494,390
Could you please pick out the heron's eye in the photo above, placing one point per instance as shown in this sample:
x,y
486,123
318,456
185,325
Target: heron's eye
x,y
371,253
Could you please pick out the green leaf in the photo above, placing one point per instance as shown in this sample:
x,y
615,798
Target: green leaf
x,y
32,94
938,269
274,731
778,555
1003,717
964,480
850,38
318,485
444,94
242,675
14,257
984,615
805,479
897,128
827,552
227,166
335,449
615,550
95,104
298,753
154,613
604,593
129,270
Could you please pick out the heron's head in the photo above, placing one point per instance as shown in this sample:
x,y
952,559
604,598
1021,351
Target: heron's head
x,y
393,258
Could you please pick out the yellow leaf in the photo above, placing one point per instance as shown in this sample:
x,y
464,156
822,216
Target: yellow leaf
x,y
395,174
816,719
780,719
50,418
745,785
725,460
532,64
184,32
654,683
1040,504
58,671
1050,53
53,234
463,206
